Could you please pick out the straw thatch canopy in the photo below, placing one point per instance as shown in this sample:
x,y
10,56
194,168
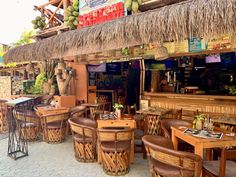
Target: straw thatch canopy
x,y
200,18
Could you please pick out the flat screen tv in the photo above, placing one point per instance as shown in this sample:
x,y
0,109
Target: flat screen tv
x,y
213,59
113,68
97,67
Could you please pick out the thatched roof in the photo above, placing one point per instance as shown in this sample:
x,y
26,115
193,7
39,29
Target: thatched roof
x,y
201,18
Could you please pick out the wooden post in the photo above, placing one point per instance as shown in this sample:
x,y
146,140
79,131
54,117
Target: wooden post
x,y
155,80
65,5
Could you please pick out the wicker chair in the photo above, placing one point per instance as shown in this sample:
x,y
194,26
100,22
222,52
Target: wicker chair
x,y
78,111
222,167
42,101
55,127
166,125
115,147
94,111
84,135
3,116
167,162
28,123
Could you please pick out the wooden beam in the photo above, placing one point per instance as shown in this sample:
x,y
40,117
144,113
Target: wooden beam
x,y
53,15
65,5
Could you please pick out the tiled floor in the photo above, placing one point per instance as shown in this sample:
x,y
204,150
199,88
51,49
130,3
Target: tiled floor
x,y
57,160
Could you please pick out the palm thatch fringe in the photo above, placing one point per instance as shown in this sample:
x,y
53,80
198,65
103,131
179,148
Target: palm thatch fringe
x,y
200,18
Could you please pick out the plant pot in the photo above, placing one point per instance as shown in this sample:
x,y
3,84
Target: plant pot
x,y
118,113
199,125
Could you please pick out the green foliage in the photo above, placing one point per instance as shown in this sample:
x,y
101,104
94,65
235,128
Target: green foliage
x,y
118,106
11,65
125,51
25,38
232,90
199,117
38,86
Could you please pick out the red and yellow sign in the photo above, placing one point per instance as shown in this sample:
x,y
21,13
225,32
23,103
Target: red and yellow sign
x,y
92,12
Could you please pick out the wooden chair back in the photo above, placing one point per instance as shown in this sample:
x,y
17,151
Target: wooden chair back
x,y
84,127
78,111
179,159
152,125
114,135
61,117
166,125
26,116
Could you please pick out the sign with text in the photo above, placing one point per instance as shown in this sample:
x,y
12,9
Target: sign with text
x,y
96,11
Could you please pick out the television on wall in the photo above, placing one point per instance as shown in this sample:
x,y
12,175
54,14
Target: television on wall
x,y
213,59
97,67
113,68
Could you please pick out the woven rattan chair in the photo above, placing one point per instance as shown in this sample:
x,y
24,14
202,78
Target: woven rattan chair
x,y
95,111
115,150
55,127
84,135
28,122
222,167
3,116
78,111
166,125
167,162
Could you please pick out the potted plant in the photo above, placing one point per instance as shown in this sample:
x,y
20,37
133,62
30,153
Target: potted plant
x,y
198,121
118,107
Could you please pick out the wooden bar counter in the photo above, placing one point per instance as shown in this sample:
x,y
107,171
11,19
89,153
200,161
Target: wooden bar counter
x,y
214,104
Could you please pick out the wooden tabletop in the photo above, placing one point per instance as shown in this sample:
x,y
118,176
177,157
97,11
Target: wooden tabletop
x,y
202,143
50,110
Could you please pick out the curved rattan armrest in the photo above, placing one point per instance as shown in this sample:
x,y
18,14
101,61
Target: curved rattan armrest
x,y
162,151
